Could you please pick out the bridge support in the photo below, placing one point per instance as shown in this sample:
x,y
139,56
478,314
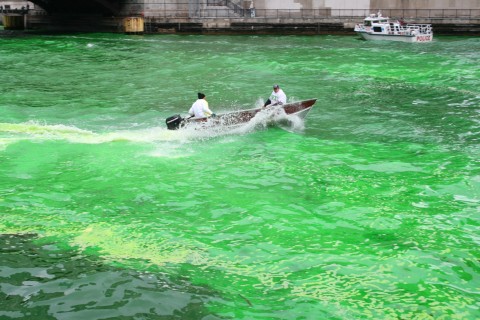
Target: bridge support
x,y
14,21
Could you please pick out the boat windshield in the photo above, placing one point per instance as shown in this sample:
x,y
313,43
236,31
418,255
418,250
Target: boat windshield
x,y
368,22
380,21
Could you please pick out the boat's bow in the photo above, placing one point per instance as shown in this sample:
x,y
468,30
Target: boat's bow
x,y
300,108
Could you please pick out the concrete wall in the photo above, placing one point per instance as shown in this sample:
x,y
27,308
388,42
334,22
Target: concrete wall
x,y
347,4
156,7
198,9
367,4
289,4
425,4
281,4
16,4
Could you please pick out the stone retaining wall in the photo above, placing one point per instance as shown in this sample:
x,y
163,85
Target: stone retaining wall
x,y
235,26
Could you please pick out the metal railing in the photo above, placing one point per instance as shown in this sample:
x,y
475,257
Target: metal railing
x,y
14,11
315,14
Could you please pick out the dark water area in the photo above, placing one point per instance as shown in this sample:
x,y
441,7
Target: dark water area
x,y
54,283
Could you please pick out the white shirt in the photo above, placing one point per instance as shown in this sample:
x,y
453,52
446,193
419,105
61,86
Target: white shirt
x,y
278,96
200,109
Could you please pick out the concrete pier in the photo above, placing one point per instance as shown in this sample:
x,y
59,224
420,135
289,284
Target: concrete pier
x,y
13,21
230,25
293,26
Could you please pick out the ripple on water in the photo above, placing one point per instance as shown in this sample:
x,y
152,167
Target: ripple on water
x,y
64,285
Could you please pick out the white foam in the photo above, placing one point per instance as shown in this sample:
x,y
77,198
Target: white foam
x,y
35,130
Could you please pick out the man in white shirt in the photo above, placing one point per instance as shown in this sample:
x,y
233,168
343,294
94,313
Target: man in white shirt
x,y
200,107
277,97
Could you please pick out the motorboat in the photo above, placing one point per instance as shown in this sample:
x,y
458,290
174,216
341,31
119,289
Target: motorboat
x,y
377,27
232,119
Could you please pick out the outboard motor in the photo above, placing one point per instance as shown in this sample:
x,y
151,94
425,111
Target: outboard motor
x,y
174,122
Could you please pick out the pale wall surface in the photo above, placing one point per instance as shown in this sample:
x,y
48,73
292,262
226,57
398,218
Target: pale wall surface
x,y
347,4
367,4
16,4
425,4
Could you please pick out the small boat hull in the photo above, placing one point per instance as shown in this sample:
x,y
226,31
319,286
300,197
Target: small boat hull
x,y
401,38
237,118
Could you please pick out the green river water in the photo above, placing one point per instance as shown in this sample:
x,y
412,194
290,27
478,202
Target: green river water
x,y
369,209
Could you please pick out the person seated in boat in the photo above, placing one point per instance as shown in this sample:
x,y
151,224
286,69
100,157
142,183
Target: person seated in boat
x,y
277,97
200,108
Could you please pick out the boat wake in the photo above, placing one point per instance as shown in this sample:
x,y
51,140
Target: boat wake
x,y
277,117
37,131
274,117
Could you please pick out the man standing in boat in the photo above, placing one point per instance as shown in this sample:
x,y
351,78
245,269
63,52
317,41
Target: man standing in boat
x,y
200,108
277,97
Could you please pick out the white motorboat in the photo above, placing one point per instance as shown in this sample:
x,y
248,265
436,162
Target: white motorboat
x,y
377,27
